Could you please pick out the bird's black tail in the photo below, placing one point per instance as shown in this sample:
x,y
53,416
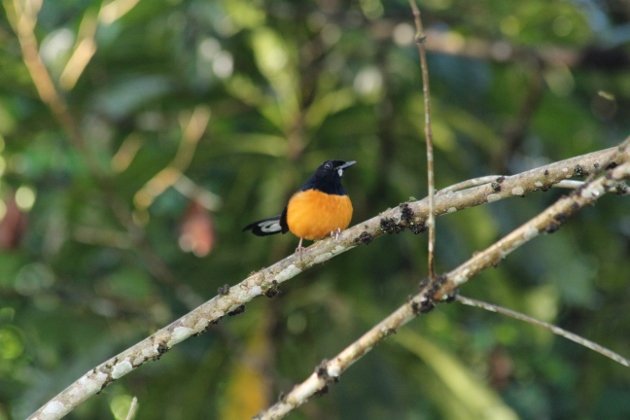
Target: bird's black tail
x,y
265,227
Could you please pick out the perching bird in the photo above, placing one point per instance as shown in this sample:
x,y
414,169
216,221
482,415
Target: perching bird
x,y
319,209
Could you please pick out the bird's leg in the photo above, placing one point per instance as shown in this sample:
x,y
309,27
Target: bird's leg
x,y
299,248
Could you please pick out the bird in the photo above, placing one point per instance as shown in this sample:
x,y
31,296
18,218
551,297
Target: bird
x,y
320,208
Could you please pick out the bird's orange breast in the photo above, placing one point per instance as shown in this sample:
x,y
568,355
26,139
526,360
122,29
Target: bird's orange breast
x,y
313,214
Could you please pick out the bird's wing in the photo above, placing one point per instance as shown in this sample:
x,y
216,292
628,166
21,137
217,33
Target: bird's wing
x,y
283,221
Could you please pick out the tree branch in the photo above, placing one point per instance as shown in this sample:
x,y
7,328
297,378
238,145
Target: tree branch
x,y
554,329
193,129
428,133
230,301
433,291
23,19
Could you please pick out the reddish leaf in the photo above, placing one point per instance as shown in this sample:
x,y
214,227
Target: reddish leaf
x,y
196,232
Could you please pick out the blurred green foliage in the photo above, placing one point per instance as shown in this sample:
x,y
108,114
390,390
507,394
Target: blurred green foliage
x,y
89,265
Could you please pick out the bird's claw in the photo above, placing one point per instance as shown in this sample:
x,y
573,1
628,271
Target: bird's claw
x,y
335,234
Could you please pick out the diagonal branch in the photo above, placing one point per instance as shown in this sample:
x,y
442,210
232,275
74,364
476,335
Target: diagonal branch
x,y
431,291
230,301
554,329
23,18
192,132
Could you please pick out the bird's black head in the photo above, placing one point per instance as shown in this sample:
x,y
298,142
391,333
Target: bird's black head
x,y
327,177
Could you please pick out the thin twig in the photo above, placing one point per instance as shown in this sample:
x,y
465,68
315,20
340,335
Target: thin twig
x,y
193,130
188,188
266,281
428,133
23,19
570,184
469,183
133,409
85,47
553,328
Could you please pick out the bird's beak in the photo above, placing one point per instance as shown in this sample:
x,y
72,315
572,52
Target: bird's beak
x,y
346,165
343,166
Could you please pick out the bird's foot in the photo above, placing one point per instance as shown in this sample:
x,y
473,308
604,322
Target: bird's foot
x,y
335,234
300,249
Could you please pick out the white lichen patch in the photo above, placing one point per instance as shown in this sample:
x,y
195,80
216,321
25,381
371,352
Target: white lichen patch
x,y
493,197
287,273
593,191
201,325
530,233
459,278
323,257
179,335
538,184
451,210
149,352
53,409
89,384
146,354
338,249
519,191
300,393
217,313
334,370
256,291
121,368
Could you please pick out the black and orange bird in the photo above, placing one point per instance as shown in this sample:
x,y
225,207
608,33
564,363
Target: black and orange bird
x,y
319,209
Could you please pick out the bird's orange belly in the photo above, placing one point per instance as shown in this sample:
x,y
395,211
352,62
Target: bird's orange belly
x,y
312,214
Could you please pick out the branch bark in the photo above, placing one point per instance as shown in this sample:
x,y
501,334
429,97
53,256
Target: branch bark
x,y
231,300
